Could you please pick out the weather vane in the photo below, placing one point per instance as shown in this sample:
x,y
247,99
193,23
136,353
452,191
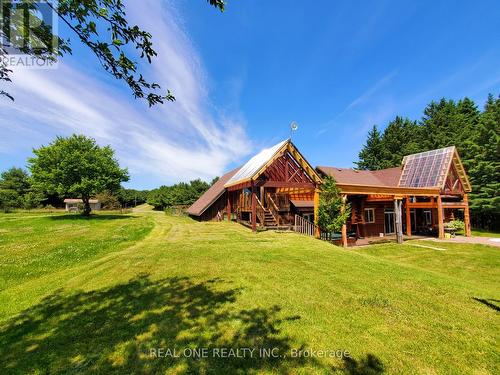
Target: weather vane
x,y
293,128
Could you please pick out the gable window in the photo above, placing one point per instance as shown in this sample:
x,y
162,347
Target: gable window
x,y
369,215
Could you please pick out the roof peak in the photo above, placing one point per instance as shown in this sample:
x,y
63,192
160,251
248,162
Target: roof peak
x,y
256,162
434,150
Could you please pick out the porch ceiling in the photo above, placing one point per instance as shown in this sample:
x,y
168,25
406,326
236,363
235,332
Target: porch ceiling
x,y
302,204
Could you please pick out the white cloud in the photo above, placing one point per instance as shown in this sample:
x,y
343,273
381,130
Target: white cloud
x,y
176,141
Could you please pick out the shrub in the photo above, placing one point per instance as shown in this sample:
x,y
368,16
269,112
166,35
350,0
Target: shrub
x,y
455,224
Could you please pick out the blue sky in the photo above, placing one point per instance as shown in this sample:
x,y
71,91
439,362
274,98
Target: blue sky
x,y
241,77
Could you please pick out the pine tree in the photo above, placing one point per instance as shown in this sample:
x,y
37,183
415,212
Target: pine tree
x,y
437,120
371,156
484,171
447,123
401,137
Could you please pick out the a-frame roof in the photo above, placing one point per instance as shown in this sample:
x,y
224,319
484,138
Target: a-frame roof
x,y
253,168
431,168
419,174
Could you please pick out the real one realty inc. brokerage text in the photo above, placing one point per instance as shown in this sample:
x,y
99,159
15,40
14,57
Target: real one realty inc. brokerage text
x,y
228,353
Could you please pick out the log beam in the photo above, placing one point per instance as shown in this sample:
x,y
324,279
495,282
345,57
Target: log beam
x,y
316,211
353,189
440,217
422,205
344,227
254,208
399,220
228,205
408,217
288,184
467,216
344,235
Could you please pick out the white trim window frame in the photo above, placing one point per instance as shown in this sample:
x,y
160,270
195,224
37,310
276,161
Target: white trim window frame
x,y
370,212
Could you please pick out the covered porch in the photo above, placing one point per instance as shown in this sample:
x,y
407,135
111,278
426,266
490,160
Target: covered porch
x,y
273,187
271,206
385,215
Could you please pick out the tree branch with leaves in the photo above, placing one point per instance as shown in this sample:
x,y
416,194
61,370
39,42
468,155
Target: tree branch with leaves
x,y
101,25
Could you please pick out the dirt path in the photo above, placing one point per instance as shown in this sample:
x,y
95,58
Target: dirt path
x,y
145,208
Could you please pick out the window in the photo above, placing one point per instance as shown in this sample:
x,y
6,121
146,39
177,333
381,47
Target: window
x,y
389,222
427,217
369,215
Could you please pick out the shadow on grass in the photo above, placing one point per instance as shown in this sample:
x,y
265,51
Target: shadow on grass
x,y
122,329
491,303
92,217
370,365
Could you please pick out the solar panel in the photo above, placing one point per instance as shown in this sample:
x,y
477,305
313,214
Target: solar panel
x,y
426,169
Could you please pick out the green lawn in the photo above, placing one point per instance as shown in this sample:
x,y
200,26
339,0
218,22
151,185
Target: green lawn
x,y
484,233
100,295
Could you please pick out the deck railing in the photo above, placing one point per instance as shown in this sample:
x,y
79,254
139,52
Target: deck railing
x,y
327,236
282,201
303,226
245,202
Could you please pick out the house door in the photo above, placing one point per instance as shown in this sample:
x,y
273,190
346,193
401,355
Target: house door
x,y
389,222
413,214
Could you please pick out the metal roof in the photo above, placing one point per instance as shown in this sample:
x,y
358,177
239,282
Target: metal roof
x,y
383,177
255,164
76,200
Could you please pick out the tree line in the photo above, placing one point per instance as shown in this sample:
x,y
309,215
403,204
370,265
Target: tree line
x,y
181,194
77,167
475,133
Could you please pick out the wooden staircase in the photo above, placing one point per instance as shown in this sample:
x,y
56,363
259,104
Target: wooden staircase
x,y
269,219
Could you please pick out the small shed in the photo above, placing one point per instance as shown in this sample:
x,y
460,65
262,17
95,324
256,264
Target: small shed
x,y
74,205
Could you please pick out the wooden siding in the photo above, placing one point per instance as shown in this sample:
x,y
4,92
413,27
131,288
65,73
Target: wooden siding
x,y
211,212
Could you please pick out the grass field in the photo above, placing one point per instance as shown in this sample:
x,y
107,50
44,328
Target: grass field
x,y
100,295
484,233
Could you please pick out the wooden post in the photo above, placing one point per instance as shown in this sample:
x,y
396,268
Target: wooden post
x,y
254,208
228,206
344,235
316,208
408,217
467,216
399,218
440,217
344,227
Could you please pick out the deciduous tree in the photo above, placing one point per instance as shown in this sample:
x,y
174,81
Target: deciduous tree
x,y
76,167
